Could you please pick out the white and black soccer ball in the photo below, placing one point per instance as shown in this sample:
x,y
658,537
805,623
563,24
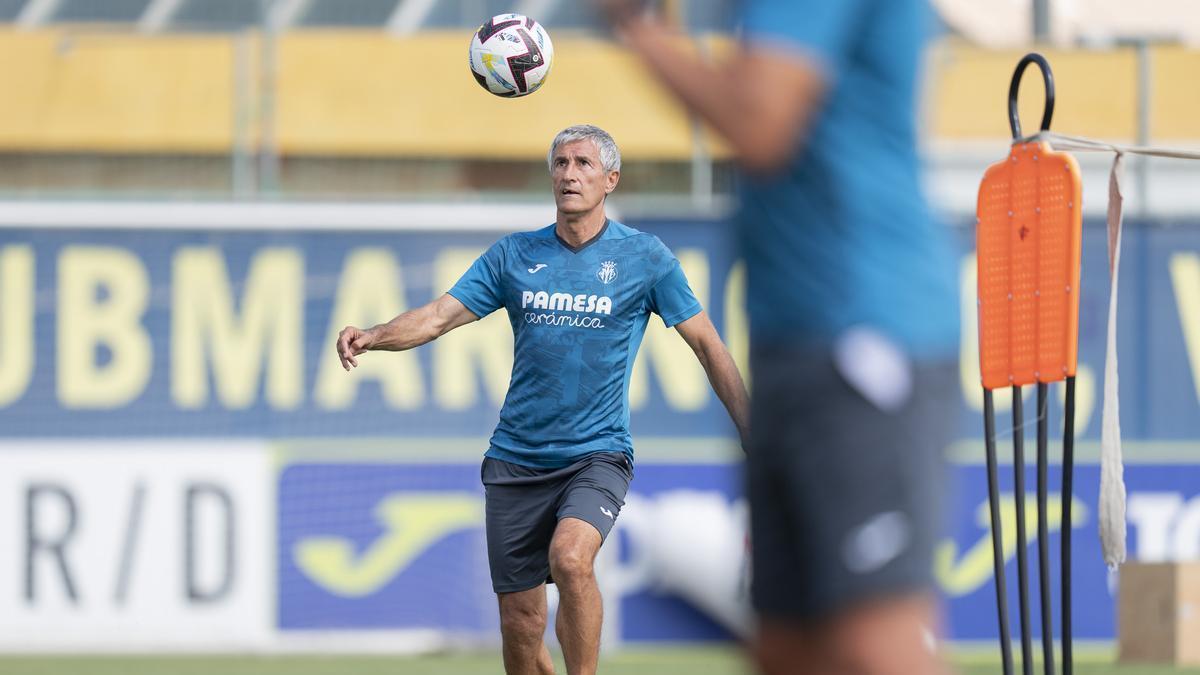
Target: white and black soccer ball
x,y
511,55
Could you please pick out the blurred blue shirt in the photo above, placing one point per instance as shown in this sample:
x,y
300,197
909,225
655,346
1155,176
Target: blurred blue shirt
x,y
842,236
578,316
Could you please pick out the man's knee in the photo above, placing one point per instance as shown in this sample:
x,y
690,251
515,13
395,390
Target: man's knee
x,y
522,621
891,637
896,640
570,564
573,552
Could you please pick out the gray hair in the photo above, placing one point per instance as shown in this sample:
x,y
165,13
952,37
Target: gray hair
x,y
610,155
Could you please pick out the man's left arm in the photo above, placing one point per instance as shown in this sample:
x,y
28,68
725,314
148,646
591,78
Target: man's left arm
x,y
702,337
762,100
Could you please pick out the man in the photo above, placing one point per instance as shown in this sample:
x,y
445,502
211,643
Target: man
x,y
578,295
853,328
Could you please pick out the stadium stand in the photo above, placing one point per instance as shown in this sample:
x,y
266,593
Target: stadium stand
x,y
356,14
217,14
396,15
9,9
111,11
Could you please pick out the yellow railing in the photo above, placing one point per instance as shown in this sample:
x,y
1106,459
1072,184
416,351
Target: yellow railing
x,y
1097,93
363,93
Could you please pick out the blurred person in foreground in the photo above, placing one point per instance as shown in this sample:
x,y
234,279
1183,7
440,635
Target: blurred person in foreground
x,y
578,295
854,326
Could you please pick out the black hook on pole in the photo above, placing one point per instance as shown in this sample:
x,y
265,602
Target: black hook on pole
x,y
1014,120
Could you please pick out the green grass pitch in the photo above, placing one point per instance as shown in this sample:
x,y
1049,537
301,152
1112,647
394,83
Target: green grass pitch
x,y
639,661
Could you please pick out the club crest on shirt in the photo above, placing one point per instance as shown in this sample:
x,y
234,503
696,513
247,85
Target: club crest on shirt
x,y
608,271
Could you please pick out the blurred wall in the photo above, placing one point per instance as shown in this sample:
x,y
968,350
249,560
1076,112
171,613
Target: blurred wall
x,y
367,94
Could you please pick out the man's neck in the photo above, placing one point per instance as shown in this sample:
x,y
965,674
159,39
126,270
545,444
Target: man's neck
x,y
576,229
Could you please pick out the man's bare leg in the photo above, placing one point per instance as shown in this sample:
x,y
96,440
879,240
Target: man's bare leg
x,y
580,610
522,625
885,637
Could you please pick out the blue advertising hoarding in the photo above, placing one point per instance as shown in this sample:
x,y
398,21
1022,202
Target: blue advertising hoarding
x,y
364,546
400,546
186,333
171,333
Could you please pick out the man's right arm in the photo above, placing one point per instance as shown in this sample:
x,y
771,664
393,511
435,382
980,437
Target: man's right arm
x,y
411,329
766,96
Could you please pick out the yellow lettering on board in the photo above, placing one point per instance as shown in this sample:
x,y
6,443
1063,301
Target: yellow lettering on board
x,y
16,322
267,332
87,320
411,522
962,575
370,292
680,376
461,356
1185,279
737,327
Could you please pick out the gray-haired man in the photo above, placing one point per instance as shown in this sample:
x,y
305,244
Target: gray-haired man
x,y
578,295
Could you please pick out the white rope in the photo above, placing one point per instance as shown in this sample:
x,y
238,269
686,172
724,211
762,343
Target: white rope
x,y
1083,144
1112,482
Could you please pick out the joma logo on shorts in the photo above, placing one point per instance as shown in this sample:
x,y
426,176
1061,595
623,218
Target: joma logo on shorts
x,y
565,302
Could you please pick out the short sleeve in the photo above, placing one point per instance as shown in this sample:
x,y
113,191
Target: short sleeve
x,y
479,288
671,297
821,29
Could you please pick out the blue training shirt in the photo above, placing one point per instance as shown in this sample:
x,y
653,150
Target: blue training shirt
x,y
842,236
577,316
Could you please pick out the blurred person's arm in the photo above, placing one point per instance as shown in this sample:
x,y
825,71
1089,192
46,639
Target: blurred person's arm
x,y
723,374
761,99
408,330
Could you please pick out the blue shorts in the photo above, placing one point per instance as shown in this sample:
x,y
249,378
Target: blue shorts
x,y
845,497
524,505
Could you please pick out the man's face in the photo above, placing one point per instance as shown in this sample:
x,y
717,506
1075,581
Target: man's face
x,y
580,181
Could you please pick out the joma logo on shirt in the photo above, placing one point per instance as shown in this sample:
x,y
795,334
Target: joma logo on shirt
x,y
565,302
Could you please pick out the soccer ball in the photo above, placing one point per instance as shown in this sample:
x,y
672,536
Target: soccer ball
x,y
511,55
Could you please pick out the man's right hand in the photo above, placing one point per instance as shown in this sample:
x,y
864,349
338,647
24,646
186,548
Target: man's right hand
x,y
351,342
411,329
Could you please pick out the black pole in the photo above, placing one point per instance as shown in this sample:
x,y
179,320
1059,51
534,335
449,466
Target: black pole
x,y
1041,20
989,439
1022,562
1044,531
1068,471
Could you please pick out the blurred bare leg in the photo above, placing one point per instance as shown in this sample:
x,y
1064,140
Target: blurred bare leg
x,y
580,609
893,636
522,625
